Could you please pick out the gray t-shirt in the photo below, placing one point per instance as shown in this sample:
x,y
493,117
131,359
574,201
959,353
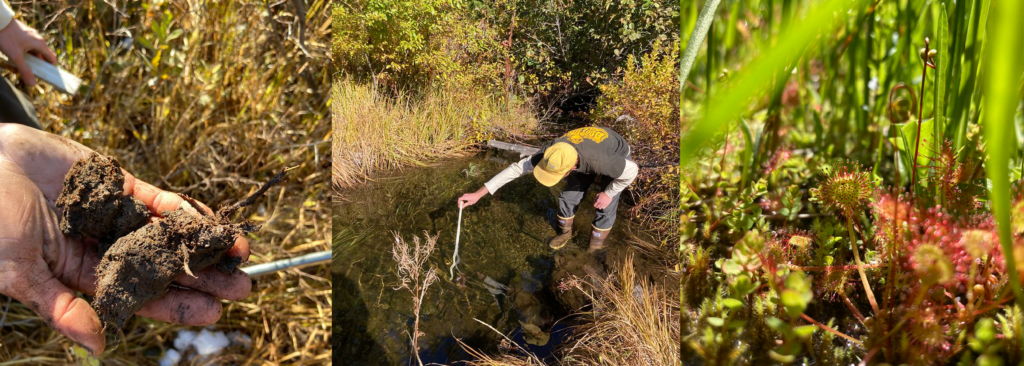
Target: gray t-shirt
x,y
601,151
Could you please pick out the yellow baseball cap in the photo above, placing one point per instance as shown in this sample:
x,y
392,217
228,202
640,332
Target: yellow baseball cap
x,y
558,159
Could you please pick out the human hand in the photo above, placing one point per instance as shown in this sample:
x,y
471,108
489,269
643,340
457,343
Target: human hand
x,y
17,39
41,268
602,201
469,199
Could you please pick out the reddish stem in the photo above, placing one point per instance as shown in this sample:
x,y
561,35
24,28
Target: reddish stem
x,y
830,330
825,268
856,313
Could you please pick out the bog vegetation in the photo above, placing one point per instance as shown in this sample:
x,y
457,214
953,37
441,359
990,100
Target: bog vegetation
x,y
857,199
420,81
209,100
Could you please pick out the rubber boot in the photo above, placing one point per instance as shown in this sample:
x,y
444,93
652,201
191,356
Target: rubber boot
x,y
564,233
597,237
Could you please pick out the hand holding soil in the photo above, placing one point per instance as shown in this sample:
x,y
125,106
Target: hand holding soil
x,y
41,267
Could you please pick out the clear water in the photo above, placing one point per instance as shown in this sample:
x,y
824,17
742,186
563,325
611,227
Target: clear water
x,y
504,237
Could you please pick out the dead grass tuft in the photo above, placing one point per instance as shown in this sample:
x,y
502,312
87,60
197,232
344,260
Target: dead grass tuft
x,y
376,131
633,322
210,99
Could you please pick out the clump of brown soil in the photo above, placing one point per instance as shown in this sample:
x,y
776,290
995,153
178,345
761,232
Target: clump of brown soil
x,y
141,263
94,204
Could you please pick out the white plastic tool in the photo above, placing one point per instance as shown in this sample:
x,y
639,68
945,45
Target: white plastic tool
x,y
53,75
455,257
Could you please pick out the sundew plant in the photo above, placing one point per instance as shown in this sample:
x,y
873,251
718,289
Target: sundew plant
x,y
852,177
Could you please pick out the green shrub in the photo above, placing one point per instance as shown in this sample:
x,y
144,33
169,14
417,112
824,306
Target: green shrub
x,y
564,48
649,94
412,43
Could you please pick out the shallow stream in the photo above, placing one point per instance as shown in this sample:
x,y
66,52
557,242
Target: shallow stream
x,y
504,240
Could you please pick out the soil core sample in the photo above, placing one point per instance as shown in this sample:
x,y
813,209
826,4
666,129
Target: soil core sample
x,y
140,259
94,204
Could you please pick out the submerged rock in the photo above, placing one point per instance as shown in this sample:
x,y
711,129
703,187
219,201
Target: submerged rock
x,y
534,317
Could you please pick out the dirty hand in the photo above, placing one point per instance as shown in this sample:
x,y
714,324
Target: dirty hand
x,y
16,40
602,201
42,268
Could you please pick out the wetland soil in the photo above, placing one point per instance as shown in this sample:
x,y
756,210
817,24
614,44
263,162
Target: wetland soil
x,y
140,256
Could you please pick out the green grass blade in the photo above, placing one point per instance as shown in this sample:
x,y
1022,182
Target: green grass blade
x,y
962,103
1004,64
731,102
700,30
942,63
748,150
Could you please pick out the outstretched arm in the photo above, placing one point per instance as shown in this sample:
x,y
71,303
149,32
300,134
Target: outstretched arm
x,y
516,170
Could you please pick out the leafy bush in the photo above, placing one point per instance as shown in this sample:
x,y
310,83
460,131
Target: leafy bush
x,y
644,107
568,47
412,43
649,95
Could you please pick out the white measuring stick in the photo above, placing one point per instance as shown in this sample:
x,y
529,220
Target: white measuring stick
x,y
60,79
455,257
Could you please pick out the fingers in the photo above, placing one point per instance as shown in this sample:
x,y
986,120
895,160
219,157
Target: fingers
x,y
18,59
240,249
156,199
467,200
234,286
40,49
62,310
185,307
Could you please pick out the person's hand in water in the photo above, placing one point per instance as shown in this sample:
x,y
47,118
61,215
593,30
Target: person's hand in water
x,y
471,198
42,268
17,39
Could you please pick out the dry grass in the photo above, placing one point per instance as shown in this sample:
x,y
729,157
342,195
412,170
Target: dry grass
x,y
238,96
633,322
376,132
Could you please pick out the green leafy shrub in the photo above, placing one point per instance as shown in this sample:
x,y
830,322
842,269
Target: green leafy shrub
x,y
568,47
412,43
648,94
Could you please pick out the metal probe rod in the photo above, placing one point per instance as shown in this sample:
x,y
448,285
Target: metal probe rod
x,y
283,264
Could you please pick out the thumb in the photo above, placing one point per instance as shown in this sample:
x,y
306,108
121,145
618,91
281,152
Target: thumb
x,y
18,59
62,310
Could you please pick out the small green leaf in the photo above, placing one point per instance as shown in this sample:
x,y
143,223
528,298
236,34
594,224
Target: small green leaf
x,y
780,357
804,331
793,302
732,303
774,323
985,330
716,321
730,267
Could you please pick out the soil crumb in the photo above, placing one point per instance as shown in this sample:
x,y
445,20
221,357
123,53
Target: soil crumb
x,y
93,203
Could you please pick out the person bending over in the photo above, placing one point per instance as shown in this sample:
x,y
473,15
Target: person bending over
x,y
580,156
